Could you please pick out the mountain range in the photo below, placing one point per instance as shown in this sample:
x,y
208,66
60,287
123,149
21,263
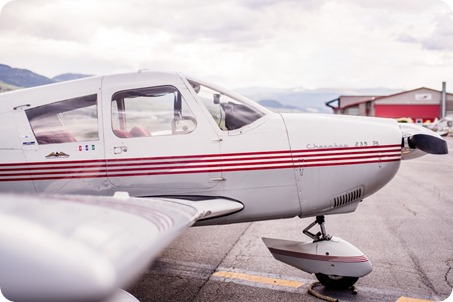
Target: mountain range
x,y
24,78
295,99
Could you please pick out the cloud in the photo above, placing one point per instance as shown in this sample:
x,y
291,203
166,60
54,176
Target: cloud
x,y
406,38
449,3
260,4
236,42
3,3
80,20
442,36
401,6
433,34
58,19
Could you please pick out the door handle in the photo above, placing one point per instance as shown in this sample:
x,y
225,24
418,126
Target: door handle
x,y
218,179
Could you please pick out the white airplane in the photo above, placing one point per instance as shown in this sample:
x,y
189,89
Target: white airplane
x,y
99,175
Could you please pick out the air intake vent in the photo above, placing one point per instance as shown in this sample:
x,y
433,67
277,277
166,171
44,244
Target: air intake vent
x,y
348,197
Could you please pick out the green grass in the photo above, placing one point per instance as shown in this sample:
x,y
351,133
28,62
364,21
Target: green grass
x,y
7,87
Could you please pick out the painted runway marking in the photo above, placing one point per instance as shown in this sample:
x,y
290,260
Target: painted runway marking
x,y
258,279
276,282
406,299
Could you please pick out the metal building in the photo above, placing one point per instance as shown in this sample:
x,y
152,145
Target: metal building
x,y
421,105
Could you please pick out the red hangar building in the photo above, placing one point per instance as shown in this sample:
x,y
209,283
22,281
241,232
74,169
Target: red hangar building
x,y
421,105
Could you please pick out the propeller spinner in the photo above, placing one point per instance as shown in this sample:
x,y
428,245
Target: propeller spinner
x,y
418,141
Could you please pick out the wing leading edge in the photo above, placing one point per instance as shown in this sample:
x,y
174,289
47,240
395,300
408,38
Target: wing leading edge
x,y
79,248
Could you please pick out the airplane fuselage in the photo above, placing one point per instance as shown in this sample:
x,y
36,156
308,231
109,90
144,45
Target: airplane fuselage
x,y
157,134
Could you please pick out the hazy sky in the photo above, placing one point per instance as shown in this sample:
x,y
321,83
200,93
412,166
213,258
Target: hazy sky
x,y
238,43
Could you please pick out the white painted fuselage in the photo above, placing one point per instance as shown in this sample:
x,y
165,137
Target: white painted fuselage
x,y
276,165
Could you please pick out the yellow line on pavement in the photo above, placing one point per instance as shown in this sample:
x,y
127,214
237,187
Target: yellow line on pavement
x,y
258,279
406,299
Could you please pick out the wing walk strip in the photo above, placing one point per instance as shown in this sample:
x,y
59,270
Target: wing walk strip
x,y
209,163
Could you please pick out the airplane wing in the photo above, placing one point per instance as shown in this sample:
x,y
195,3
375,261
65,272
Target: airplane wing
x,y
80,248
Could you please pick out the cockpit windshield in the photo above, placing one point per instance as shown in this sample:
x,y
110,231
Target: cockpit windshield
x,y
230,112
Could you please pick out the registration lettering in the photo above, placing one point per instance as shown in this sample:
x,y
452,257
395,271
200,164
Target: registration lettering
x,y
329,146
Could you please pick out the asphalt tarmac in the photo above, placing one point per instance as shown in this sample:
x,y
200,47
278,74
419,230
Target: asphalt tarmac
x,y
406,230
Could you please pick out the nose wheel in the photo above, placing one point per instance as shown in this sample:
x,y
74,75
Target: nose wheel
x,y
329,281
336,282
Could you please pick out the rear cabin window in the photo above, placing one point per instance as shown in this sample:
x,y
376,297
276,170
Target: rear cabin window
x,y
72,120
151,111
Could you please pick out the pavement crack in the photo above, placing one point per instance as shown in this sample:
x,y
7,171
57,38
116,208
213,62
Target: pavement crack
x,y
214,269
409,210
447,274
418,267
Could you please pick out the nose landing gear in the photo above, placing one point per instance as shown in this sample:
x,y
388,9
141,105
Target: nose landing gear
x,y
329,281
322,235
336,263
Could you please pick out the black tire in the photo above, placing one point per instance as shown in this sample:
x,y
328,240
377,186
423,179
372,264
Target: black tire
x,y
336,282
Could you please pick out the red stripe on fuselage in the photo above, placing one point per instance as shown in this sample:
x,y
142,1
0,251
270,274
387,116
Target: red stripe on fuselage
x,y
210,163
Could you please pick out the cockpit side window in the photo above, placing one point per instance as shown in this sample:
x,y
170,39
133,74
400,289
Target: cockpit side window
x,y
228,113
72,120
151,111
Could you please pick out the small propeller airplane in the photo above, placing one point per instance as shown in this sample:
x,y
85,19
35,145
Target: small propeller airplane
x,y
99,175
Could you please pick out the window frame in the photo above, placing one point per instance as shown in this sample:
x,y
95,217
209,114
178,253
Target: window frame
x,y
239,100
179,114
44,134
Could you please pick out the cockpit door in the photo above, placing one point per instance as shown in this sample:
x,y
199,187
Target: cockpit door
x,y
156,141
